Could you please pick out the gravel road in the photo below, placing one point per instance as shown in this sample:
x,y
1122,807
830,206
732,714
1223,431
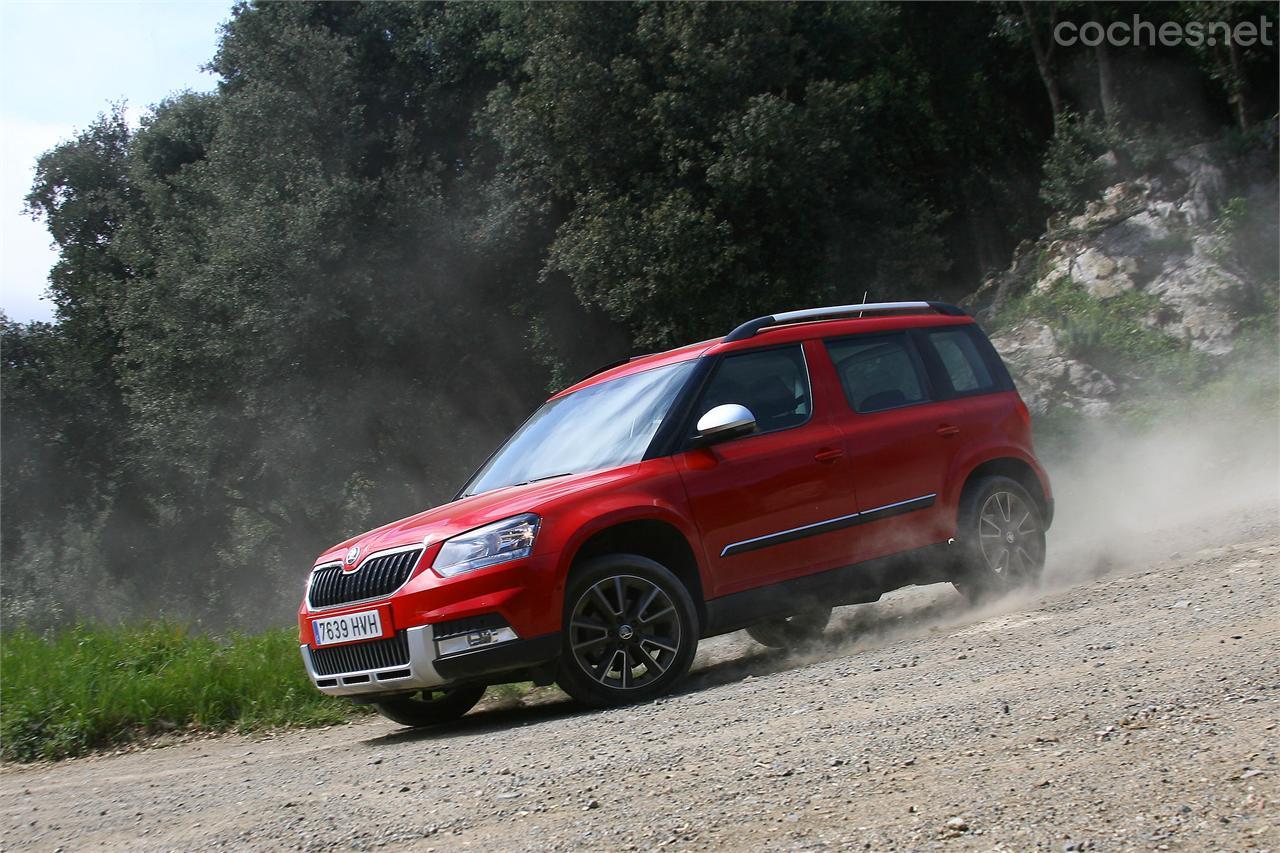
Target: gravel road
x,y
1131,704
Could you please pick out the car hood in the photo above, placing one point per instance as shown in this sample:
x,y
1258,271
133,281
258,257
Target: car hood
x,y
447,520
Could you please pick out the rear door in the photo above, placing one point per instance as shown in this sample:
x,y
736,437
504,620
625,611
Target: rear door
x,y
899,439
978,396
761,501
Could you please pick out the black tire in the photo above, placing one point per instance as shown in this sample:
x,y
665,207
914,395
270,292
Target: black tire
x,y
788,632
1000,531
630,631
430,707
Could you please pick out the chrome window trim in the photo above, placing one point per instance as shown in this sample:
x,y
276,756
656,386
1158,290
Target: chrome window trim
x,y
386,552
841,521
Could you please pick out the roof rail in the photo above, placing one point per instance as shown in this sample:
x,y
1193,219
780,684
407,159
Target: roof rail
x,y
610,366
750,328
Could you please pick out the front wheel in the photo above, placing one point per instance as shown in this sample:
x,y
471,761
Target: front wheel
x,y
630,631
1001,533
786,632
430,707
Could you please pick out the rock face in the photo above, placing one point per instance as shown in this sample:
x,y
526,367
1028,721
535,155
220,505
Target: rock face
x,y
1158,235
1207,298
1046,377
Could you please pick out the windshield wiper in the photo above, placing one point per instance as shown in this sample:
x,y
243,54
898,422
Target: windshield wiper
x,y
547,477
513,485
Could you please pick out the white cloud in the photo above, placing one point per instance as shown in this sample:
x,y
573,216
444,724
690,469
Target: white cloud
x,y
136,52
25,251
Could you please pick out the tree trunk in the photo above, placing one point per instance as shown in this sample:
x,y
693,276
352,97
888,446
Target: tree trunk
x,y
1108,96
1238,86
1106,83
1043,53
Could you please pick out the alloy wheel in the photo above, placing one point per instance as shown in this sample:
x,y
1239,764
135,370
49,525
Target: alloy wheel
x,y
625,632
1009,534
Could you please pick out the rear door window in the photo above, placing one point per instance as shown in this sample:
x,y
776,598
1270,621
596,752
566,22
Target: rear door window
x,y
878,372
772,383
962,363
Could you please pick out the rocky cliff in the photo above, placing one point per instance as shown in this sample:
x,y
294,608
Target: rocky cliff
x,y
1161,277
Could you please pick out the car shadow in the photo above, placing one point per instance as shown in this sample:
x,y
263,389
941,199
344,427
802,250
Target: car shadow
x,y
853,630
486,721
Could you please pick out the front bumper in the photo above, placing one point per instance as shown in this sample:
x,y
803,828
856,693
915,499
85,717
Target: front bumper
x,y
436,617
426,668
420,672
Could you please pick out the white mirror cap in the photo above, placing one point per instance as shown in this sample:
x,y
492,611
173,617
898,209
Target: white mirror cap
x,y
730,416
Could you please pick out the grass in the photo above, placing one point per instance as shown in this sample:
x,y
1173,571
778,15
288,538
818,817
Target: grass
x,y
1109,333
86,688
1244,389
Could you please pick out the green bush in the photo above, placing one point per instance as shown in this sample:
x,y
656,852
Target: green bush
x,y
1112,333
1246,239
1073,173
90,687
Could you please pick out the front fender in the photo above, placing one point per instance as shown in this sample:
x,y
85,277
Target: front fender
x,y
657,495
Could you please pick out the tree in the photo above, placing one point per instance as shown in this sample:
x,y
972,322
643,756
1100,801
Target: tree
x,y
1235,66
1039,21
311,301
738,156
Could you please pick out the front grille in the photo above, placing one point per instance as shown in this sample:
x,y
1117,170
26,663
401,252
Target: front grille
x,y
376,577
362,657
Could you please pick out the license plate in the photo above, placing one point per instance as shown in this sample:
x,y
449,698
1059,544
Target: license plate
x,y
366,625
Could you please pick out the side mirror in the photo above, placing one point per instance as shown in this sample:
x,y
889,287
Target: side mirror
x,y
725,422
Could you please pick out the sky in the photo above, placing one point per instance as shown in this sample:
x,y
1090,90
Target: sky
x,y
61,65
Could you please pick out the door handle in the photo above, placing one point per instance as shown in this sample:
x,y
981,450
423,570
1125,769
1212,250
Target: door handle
x,y
828,454
948,429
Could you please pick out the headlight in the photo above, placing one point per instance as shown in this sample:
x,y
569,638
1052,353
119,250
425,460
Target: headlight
x,y
500,542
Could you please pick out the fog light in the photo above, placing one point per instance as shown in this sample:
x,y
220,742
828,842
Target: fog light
x,y
473,640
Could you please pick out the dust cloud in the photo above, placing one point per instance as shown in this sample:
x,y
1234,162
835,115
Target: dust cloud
x,y
1125,495
1131,494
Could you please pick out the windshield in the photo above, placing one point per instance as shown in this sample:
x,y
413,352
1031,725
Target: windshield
x,y
599,427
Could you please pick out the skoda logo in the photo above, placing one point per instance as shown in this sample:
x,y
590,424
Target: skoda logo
x,y
353,555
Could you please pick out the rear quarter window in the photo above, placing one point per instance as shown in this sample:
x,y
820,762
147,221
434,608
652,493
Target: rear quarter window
x,y
964,360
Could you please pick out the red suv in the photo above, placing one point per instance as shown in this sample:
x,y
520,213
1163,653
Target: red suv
x,y
807,459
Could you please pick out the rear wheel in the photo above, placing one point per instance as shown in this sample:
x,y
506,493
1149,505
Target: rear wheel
x,y
1001,533
430,707
791,631
630,631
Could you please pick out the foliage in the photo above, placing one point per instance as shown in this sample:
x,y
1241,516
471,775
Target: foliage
x,y
1245,234
1075,168
1241,73
84,688
311,301
1115,334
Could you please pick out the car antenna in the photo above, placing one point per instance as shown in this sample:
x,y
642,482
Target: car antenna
x,y
865,294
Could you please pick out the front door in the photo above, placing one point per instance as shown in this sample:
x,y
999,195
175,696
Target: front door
x,y
768,505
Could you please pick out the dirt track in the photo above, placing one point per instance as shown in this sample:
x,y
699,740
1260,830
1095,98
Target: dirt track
x,y
1135,707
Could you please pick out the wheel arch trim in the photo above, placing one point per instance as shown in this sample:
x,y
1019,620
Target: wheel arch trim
x,y
1013,463
621,517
